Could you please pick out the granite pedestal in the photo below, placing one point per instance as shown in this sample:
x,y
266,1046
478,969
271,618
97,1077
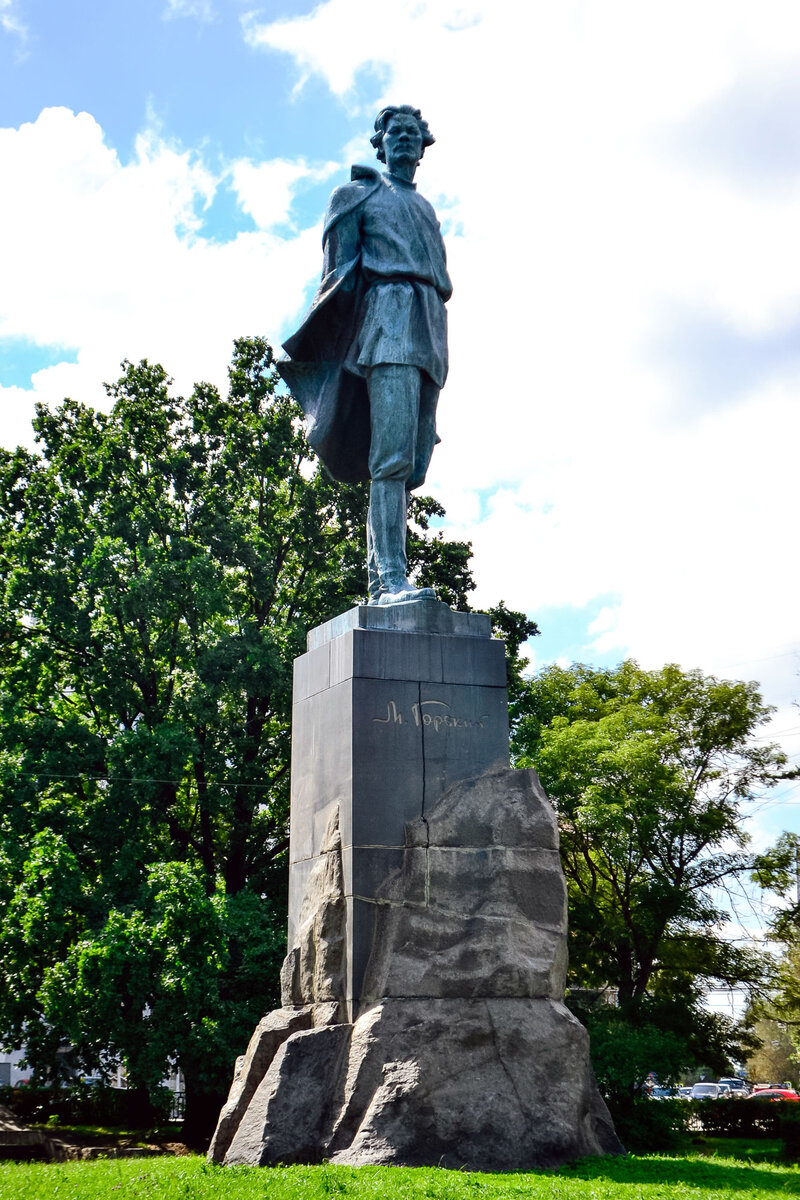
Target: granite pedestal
x,y
392,707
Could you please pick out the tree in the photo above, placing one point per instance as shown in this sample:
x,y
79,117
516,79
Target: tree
x,y
648,771
159,567
778,870
775,1061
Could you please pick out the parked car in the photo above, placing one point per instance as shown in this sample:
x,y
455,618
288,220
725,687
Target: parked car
x,y
775,1094
664,1093
739,1088
705,1091
685,1093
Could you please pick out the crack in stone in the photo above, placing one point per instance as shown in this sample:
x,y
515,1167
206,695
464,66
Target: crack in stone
x,y
422,739
500,1059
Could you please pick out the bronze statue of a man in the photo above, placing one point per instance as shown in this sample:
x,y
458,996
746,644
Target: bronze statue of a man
x,y
370,358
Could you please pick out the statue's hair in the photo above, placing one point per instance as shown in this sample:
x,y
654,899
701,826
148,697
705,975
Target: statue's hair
x,y
382,120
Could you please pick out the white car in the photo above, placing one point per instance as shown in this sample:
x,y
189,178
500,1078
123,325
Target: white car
x,y
705,1091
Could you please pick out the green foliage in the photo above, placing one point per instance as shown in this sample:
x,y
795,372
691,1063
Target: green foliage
x,y
433,560
789,1129
514,628
83,1105
650,1126
648,771
624,1054
748,1118
775,1059
159,567
778,870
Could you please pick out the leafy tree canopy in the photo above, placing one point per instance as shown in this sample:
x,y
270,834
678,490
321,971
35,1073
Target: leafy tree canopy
x,y
648,771
775,1060
778,870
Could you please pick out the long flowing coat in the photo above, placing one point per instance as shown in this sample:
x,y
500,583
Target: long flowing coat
x,y
335,402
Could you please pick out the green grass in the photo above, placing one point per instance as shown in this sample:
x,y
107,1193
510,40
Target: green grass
x,y
690,1177
749,1149
115,1133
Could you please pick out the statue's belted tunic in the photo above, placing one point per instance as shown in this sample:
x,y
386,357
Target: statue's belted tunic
x,y
381,301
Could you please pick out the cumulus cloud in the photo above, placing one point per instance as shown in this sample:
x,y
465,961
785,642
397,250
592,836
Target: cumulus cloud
x,y
749,134
110,259
339,40
266,191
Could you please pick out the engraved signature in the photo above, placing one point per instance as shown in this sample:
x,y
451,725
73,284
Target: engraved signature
x,y
436,720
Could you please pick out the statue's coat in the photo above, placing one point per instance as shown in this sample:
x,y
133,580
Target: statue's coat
x,y
334,401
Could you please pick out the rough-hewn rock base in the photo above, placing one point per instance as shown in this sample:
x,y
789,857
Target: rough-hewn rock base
x,y
487,1084
463,1053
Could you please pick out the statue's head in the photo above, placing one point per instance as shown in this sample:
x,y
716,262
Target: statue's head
x,y
383,120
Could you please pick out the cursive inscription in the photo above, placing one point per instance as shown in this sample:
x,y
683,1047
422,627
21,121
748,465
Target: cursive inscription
x,y
437,719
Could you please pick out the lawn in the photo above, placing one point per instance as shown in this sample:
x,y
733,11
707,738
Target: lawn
x,y
694,1176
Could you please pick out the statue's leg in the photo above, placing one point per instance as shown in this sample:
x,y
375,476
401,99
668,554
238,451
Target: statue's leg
x,y
426,432
373,578
394,396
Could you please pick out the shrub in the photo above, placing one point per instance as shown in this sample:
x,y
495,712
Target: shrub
x,y
789,1129
739,1118
82,1104
648,1126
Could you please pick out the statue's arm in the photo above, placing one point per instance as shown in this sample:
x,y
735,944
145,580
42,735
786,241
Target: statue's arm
x,y
342,246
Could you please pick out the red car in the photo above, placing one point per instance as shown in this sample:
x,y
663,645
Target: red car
x,y
775,1094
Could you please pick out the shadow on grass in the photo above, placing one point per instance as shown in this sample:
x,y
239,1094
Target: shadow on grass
x,y
706,1174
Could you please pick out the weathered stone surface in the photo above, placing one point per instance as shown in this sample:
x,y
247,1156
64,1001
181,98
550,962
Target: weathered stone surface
x,y
251,1067
462,1053
312,986
501,807
469,915
289,1115
498,1084
456,958
313,971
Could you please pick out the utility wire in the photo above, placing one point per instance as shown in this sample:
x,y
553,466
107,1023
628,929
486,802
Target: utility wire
x,y
133,779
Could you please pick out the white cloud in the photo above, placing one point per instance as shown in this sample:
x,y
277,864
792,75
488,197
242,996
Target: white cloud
x,y
202,10
266,191
109,259
11,21
340,39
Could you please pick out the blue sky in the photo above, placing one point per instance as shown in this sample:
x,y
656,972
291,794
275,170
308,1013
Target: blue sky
x,y
618,186
127,61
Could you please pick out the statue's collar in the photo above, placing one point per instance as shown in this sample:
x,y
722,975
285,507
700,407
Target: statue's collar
x,y
395,179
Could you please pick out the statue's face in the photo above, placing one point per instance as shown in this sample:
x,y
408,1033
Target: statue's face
x,y
402,141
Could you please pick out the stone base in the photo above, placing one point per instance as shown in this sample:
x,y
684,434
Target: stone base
x,y
269,1035
490,1085
392,706
462,1052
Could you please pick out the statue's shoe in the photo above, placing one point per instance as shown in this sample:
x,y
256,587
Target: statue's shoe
x,y
405,594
